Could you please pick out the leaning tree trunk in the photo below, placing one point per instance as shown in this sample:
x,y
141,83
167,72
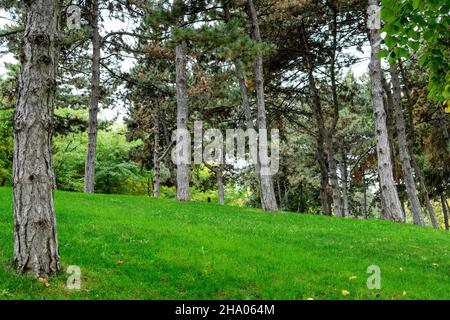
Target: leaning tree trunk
x,y
182,117
321,131
35,236
390,123
403,150
391,203
268,198
91,152
411,144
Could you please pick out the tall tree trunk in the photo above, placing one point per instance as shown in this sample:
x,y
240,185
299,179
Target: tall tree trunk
x,y
245,103
91,152
411,144
403,150
390,123
445,209
182,117
321,131
268,199
35,235
391,203
344,181
332,166
156,161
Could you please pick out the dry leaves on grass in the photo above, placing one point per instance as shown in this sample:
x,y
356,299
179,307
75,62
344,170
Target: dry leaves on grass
x,y
345,292
44,282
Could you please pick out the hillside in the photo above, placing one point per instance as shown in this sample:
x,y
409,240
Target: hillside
x,y
140,248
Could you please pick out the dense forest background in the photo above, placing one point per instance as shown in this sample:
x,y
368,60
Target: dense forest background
x,y
123,58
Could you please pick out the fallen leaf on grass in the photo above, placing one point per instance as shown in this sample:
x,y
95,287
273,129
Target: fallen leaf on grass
x,y
119,262
353,278
345,292
44,282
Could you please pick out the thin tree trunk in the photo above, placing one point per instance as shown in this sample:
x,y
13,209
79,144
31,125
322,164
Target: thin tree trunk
x,y
286,195
334,183
156,161
365,195
279,192
411,144
246,105
35,234
332,166
344,180
403,150
321,131
268,199
91,152
301,204
391,203
220,189
445,209
182,117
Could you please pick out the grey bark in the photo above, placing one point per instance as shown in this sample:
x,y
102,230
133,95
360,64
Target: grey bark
x,y
268,198
218,171
390,123
182,117
411,144
156,161
344,181
332,166
35,233
391,203
403,150
321,131
91,152
220,188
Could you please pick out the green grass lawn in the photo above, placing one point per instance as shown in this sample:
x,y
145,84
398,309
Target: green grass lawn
x,y
139,248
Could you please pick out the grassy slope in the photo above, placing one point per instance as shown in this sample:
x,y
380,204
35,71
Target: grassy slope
x,y
174,250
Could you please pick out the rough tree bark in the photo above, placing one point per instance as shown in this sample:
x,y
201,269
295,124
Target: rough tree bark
x,y
332,166
321,132
391,203
411,144
182,117
403,150
268,198
91,152
35,235
390,123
